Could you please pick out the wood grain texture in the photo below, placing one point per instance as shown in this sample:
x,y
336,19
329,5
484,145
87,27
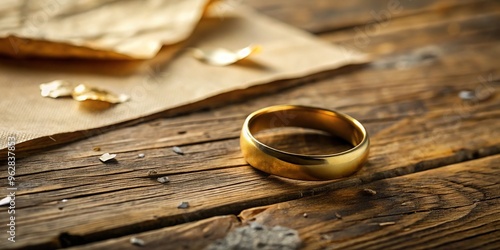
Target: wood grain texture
x,y
451,28
407,99
193,235
321,16
453,207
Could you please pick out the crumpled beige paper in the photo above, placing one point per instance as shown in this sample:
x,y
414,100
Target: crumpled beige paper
x,y
160,85
107,29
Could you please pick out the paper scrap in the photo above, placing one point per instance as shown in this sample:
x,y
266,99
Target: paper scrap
x,y
106,29
5,201
137,241
178,150
163,179
183,205
107,157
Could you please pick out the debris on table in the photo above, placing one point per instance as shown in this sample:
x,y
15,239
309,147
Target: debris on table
x,y
57,88
178,150
477,95
163,179
107,157
183,205
137,242
408,203
466,95
152,172
141,155
80,92
60,205
305,215
338,216
257,236
5,201
224,57
382,224
83,92
96,149
369,192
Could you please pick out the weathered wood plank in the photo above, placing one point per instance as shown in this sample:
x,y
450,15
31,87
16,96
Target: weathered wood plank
x,y
320,16
416,120
212,175
193,235
440,29
454,207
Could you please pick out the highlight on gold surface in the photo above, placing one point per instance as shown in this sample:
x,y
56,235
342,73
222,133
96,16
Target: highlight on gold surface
x,y
83,92
80,92
301,166
224,57
57,88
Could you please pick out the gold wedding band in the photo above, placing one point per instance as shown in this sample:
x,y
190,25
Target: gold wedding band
x,y
300,166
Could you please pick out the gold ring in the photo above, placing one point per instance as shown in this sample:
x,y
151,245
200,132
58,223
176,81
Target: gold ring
x,y
300,166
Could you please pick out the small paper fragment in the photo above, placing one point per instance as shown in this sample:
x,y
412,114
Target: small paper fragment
x,y
107,157
466,95
383,224
183,205
83,92
477,95
5,201
60,204
163,179
57,88
178,150
136,241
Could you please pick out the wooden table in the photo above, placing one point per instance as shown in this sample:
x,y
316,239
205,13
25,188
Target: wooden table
x,y
432,180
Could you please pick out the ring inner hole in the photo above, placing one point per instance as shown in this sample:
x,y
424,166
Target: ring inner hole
x,y
302,141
